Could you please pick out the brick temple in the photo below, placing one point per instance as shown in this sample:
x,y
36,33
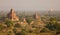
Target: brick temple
x,y
12,15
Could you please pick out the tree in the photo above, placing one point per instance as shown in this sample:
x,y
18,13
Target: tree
x,y
51,26
51,23
2,27
53,20
17,25
9,23
29,19
57,25
44,30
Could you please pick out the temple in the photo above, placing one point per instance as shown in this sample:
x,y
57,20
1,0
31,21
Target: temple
x,y
12,16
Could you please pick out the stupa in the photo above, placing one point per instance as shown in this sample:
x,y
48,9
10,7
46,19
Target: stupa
x,y
38,20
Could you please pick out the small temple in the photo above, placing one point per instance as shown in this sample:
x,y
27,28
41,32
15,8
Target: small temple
x,y
38,20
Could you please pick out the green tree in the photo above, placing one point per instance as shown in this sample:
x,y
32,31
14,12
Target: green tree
x,y
9,23
53,20
2,27
51,24
29,19
57,25
17,25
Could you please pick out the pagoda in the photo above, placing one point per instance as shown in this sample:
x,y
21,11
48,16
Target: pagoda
x,y
38,20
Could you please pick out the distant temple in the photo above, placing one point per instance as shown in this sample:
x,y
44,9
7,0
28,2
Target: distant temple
x,y
37,17
12,16
38,20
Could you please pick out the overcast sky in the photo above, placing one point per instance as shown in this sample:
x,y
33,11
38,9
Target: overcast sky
x,y
29,5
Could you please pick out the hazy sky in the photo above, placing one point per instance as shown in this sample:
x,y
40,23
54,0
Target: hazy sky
x,y
29,4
